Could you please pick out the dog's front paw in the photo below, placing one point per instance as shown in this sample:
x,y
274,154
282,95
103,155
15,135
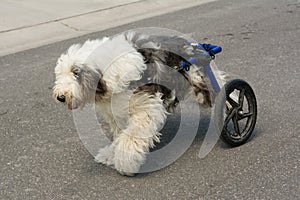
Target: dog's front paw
x,y
128,162
126,173
123,171
106,156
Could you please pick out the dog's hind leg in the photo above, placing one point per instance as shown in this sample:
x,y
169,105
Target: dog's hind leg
x,y
199,88
147,115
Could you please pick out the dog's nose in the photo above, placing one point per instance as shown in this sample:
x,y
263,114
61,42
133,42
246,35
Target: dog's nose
x,y
61,98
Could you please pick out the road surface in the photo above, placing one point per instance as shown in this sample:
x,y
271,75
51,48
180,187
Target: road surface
x,y
42,156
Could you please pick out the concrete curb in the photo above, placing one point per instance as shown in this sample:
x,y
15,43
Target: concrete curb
x,y
28,37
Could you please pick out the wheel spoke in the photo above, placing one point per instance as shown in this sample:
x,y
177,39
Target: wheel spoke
x,y
232,102
246,115
229,116
241,98
236,126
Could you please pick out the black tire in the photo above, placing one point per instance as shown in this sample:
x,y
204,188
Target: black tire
x,y
235,113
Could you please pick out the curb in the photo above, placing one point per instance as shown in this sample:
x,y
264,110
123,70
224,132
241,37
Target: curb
x,y
25,38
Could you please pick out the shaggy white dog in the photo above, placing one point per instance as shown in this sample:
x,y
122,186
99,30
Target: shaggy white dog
x,y
101,72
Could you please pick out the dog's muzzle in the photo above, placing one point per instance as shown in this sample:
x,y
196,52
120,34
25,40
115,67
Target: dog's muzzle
x,y
71,103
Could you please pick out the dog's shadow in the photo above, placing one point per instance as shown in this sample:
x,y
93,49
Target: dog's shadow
x,y
169,132
172,126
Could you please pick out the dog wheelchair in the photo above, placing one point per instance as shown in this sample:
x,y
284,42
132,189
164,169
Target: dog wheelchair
x,y
240,102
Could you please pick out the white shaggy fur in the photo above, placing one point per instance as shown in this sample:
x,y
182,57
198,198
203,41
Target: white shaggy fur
x,y
100,71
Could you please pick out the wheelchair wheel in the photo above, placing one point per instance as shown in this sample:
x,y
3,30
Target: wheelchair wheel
x,y
241,113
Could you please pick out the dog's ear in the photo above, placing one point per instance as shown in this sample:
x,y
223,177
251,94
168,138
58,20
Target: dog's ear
x,y
90,78
101,87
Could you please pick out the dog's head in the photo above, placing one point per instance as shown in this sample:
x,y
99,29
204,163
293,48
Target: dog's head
x,y
77,81
96,70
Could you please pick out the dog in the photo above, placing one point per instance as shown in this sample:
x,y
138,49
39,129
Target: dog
x,y
102,72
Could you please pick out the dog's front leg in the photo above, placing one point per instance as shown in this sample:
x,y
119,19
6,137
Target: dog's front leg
x,y
106,155
130,151
133,143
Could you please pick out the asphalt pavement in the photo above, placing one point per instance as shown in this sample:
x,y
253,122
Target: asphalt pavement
x,y
42,156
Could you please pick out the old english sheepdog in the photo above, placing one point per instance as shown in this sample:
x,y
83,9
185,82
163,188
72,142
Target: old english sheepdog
x,y
103,71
